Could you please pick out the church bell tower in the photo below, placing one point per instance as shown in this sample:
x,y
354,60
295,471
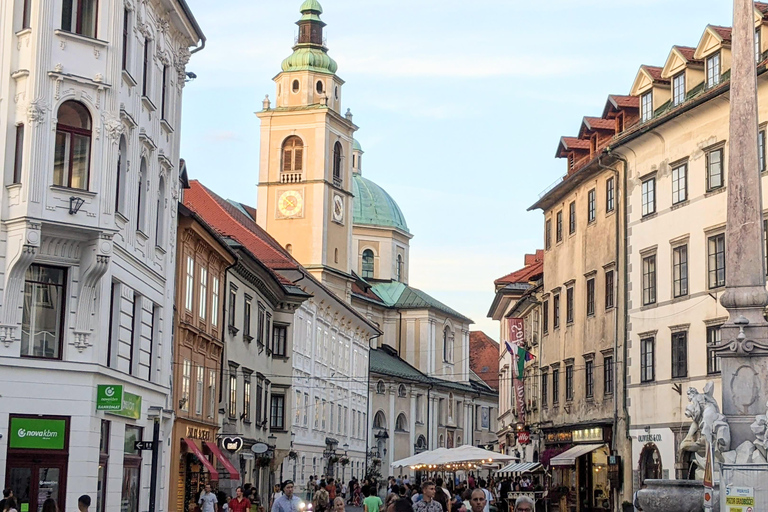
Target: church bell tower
x,y
305,174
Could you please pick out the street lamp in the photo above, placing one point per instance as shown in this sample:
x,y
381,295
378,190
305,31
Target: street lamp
x,y
343,466
272,445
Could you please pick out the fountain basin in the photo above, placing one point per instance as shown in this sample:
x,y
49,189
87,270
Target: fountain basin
x,y
674,496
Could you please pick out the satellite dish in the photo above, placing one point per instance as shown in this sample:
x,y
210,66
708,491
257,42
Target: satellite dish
x,y
259,448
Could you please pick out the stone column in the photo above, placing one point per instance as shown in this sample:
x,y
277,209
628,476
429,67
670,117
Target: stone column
x,y
744,353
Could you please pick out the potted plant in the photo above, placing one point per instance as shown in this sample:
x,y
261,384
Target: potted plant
x,y
263,461
333,460
344,461
376,461
293,455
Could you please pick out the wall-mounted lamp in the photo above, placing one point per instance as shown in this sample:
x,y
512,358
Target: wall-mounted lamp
x,y
183,402
75,203
190,76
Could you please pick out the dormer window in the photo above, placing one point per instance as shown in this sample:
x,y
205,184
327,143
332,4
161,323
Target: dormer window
x,y
713,70
678,89
647,106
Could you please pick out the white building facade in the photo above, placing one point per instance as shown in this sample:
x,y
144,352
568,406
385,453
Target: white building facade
x,y
91,104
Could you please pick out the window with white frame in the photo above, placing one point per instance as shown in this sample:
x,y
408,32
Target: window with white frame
x,y
646,101
713,70
203,292
680,183
678,89
190,290
649,196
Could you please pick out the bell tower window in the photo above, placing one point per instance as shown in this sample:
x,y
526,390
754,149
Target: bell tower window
x,y
337,154
367,269
293,160
295,86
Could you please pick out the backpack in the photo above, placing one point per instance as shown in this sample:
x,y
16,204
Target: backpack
x,y
320,502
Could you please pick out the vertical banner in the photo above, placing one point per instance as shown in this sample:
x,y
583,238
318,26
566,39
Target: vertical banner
x,y
515,347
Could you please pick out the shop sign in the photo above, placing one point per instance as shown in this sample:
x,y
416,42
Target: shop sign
x,y
232,444
649,438
559,437
524,437
588,435
131,406
739,499
109,397
37,434
201,434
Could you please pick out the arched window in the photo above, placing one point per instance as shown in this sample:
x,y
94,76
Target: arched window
x,y
441,442
72,157
303,465
399,269
447,345
141,196
367,269
421,443
337,154
458,440
380,421
160,222
401,391
293,158
380,387
122,171
401,425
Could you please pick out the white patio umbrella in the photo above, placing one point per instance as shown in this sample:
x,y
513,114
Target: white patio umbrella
x,y
419,459
469,453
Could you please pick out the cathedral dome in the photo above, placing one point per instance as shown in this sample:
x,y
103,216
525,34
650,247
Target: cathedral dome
x,y
373,206
310,59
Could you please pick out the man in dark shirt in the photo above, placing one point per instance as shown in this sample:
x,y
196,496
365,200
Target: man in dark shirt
x,y
7,493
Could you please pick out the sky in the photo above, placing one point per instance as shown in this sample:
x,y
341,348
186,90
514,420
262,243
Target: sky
x,y
460,104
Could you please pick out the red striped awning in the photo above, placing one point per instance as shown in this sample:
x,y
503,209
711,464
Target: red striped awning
x,y
192,447
233,473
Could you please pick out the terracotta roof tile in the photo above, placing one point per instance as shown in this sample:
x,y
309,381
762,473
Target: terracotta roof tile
x,y
574,143
724,32
762,7
655,73
598,123
687,52
484,358
230,221
524,275
625,101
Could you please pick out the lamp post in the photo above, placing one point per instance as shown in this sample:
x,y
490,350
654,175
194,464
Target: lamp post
x,y
296,460
271,480
344,467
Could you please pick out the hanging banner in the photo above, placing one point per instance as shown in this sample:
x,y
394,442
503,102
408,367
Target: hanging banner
x,y
515,348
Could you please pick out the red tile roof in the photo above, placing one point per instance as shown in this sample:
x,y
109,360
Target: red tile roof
x,y
724,32
687,52
655,73
531,259
367,293
231,222
524,275
762,7
484,358
624,101
598,123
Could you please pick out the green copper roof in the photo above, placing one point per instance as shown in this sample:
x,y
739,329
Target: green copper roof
x,y
399,295
374,207
356,145
305,58
311,5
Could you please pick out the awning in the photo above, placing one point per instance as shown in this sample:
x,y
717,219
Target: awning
x,y
518,468
568,457
192,447
233,473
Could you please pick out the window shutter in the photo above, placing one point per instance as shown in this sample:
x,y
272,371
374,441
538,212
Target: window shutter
x,y
287,160
299,155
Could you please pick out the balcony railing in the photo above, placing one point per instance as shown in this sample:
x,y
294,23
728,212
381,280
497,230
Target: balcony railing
x,y
291,177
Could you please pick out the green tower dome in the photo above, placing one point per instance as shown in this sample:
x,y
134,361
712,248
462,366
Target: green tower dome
x,y
310,53
373,206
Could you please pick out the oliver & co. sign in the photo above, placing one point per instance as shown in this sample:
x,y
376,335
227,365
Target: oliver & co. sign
x,y
37,434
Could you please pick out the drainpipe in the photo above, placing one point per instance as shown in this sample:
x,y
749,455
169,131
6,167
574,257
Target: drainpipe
x,y
429,430
368,403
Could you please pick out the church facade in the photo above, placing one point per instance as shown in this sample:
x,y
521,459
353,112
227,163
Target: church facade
x,y
352,238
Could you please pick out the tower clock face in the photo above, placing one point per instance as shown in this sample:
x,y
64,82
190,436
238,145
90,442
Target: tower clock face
x,y
290,203
338,208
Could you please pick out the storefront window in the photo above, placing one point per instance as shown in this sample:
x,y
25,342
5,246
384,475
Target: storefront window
x,y
131,470
42,313
101,490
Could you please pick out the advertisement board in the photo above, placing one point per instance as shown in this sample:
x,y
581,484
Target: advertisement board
x,y
37,433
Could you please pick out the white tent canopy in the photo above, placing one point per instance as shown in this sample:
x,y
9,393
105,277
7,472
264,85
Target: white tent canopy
x,y
462,454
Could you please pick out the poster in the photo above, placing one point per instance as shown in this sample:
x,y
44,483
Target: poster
x,y
739,499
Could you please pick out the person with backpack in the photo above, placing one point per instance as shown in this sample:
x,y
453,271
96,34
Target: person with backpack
x,y
321,499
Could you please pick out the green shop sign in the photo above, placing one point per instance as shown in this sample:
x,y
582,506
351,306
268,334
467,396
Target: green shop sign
x,y
131,407
109,397
37,434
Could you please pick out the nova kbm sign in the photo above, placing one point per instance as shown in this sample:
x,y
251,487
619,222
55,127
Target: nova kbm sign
x,y
109,397
37,434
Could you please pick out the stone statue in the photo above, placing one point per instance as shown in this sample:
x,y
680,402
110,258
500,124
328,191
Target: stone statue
x,y
707,425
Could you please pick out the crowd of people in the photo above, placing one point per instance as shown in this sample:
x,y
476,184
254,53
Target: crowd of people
x,y
9,503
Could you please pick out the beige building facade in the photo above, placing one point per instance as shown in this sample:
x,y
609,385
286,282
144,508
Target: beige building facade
x,y
676,180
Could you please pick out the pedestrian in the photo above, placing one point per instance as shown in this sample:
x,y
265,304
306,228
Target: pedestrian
x,y
488,495
321,500
222,502
371,503
7,493
83,503
310,490
10,504
208,500
428,503
240,503
524,504
49,505
338,505
331,488
286,502
403,505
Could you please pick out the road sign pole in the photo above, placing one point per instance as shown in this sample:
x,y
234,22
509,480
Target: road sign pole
x,y
155,469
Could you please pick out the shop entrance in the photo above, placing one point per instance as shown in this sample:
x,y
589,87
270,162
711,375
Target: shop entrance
x,y
34,480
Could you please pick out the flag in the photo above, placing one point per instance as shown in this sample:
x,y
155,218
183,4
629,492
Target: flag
x,y
520,356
